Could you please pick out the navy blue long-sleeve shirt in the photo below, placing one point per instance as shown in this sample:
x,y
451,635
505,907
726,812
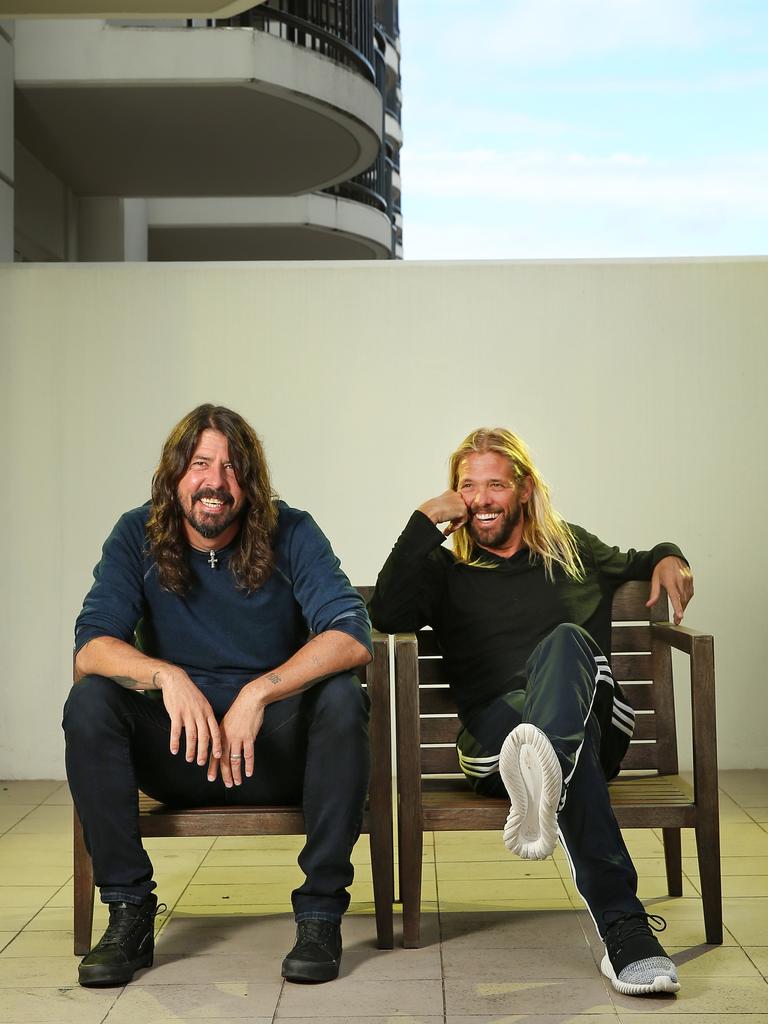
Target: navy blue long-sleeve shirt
x,y
222,636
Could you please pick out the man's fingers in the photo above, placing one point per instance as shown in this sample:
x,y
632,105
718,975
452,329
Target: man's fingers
x,y
655,592
203,739
213,768
213,728
453,526
236,764
248,761
190,731
175,733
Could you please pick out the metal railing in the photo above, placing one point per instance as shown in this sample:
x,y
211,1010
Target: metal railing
x,y
385,12
344,31
340,29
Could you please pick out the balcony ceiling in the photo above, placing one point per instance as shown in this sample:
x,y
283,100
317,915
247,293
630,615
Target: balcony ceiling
x,y
124,8
188,112
312,227
250,243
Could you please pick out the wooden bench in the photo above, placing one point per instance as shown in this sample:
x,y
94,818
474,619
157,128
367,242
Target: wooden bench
x,y
160,820
649,793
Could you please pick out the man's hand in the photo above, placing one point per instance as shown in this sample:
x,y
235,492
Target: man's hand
x,y
239,729
448,507
677,579
188,710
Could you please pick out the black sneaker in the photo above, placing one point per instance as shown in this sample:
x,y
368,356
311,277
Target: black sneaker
x,y
127,945
316,955
634,958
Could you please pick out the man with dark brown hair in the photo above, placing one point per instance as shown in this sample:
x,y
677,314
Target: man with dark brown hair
x,y
221,584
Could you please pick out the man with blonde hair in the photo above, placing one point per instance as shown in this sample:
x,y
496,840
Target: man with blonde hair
x,y
522,611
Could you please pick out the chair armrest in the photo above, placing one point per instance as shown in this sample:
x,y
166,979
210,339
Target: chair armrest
x,y
700,649
378,684
680,637
407,725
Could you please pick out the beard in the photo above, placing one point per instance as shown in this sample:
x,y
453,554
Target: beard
x,y
211,524
497,535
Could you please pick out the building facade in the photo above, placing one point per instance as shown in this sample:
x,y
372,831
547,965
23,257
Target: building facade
x,y
274,134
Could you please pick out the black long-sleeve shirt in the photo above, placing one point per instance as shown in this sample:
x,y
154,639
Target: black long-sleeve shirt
x,y
489,620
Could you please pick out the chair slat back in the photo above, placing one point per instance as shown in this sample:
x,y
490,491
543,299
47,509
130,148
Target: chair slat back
x,y
642,667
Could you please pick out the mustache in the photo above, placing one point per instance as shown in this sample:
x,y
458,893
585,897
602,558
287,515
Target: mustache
x,y
214,492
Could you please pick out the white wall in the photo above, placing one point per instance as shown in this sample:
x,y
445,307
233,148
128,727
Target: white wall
x,y
639,386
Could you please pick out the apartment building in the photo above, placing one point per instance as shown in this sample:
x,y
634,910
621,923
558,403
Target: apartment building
x,y
270,134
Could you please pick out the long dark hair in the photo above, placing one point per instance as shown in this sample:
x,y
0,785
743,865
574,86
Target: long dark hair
x,y
252,562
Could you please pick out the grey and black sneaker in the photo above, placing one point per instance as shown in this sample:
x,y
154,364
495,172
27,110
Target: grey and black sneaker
x,y
316,955
127,945
634,959
531,772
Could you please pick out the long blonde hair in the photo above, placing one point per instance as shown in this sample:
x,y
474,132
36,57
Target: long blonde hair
x,y
545,532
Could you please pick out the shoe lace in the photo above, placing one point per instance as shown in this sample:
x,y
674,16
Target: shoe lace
x,y
630,925
122,923
313,930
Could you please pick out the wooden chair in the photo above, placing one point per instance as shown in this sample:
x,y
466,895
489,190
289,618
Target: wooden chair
x,y
433,794
160,820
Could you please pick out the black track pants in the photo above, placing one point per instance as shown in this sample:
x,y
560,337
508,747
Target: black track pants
x,y
569,695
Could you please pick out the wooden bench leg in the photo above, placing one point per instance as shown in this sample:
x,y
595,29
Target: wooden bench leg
x,y
383,871
673,861
708,850
83,879
411,846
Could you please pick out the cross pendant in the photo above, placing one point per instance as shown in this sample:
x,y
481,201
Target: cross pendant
x,y
212,559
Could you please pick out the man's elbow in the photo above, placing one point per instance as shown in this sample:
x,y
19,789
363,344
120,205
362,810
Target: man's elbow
x,y
360,654
78,671
82,663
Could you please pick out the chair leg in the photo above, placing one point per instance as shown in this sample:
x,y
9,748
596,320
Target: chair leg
x,y
673,861
383,871
411,846
708,850
83,880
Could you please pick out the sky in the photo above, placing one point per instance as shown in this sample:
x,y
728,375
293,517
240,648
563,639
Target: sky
x,y
584,128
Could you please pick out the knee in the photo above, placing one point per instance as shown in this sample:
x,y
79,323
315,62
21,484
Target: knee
x,y
341,701
567,636
89,704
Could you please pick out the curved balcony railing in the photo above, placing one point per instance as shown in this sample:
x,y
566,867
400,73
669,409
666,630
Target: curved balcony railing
x,y
340,29
385,12
373,187
345,31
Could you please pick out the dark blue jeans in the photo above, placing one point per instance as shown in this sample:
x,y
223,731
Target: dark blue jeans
x,y
312,750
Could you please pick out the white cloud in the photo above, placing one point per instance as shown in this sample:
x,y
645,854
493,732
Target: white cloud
x,y
530,33
621,178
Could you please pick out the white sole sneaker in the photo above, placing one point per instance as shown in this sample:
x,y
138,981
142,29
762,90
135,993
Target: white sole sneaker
x,y
532,775
657,983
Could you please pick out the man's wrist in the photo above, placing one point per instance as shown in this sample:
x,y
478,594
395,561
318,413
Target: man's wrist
x,y
258,690
428,509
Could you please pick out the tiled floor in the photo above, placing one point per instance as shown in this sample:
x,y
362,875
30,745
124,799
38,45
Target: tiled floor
x,y
505,940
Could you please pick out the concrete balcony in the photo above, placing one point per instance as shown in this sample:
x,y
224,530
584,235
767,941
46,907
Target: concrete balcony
x,y
159,111
393,131
312,227
123,8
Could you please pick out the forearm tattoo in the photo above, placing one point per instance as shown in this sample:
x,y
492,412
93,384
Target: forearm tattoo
x,y
127,682
274,678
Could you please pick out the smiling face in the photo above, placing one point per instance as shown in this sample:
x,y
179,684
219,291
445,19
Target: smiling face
x,y
209,494
494,500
